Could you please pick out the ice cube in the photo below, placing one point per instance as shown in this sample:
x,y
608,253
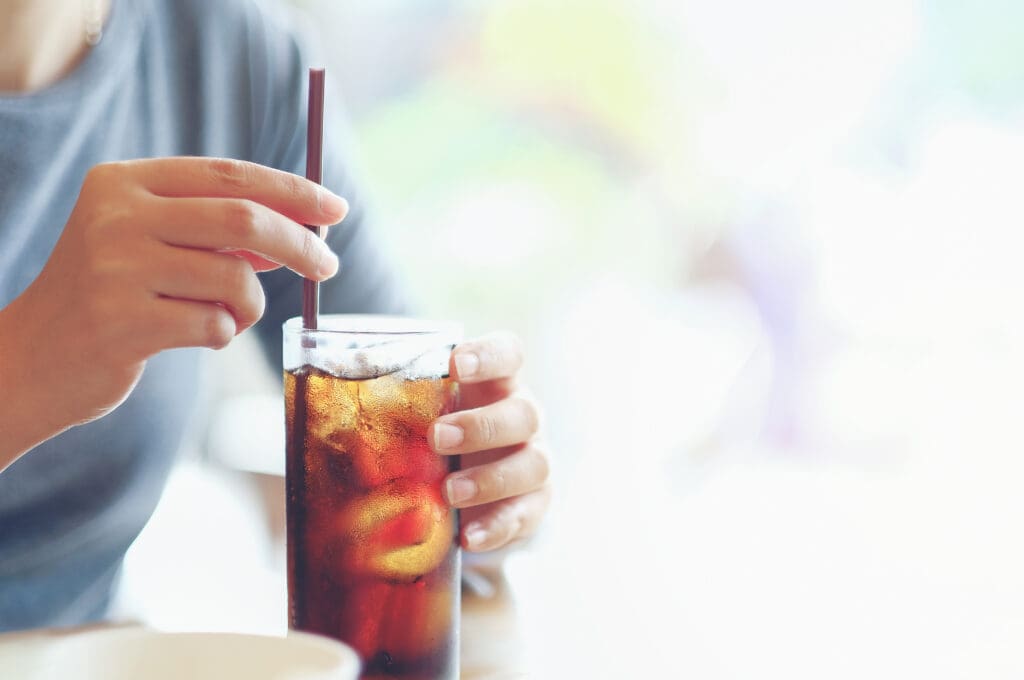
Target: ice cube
x,y
390,442
385,358
332,410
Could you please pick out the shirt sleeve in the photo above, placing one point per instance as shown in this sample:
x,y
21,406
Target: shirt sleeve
x,y
367,281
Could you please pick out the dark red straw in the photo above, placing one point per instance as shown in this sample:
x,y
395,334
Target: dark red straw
x,y
314,172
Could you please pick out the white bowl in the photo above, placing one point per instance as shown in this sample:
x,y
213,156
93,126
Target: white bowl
x,y
140,654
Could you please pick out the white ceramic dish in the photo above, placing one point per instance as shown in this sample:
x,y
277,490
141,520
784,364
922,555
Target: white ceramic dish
x,y
139,654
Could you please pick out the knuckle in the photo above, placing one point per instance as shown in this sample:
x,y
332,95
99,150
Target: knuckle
x,y
541,464
218,329
530,413
114,223
102,174
105,201
297,188
96,177
497,484
259,301
236,274
234,173
243,220
254,305
488,429
102,258
532,512
241,291
509,523
308,247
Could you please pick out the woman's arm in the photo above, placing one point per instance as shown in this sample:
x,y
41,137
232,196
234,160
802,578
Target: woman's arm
x,y
31,411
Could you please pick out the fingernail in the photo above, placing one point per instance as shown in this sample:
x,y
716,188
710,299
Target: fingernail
x,y
476,536
331,203
447,436
466,365
461,489
329,266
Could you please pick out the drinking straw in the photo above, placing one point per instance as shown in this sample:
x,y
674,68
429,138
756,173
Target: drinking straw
x,y
314,172
295,461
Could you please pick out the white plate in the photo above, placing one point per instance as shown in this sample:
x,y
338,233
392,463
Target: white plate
x,y
140,654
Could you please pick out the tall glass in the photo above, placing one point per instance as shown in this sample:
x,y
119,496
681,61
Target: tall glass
x,y
373,556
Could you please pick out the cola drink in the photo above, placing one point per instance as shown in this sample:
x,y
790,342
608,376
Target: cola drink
x,y
373,556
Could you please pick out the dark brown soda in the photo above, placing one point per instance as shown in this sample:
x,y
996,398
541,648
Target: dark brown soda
x,y
373,555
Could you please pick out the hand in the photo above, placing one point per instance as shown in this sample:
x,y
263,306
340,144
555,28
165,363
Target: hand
x,y
502,487
156,254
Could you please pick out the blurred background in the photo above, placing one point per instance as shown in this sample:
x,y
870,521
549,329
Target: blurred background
x,y
765,260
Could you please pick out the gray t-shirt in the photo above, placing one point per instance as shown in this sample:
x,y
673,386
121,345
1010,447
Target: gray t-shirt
x,y
170,77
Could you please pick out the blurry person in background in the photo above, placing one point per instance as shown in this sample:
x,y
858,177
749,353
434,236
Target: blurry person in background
x,y
107,263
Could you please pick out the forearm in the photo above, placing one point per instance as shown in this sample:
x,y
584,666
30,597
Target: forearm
x,y
29,415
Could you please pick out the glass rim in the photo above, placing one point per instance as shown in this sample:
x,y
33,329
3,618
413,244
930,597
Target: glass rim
x,y
373,324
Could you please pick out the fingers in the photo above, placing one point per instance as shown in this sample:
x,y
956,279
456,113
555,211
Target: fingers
x,y
522,471
498,355
241,224
473,395
504,423
501,523
185,323
503,496
298,198
210,277
258,263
